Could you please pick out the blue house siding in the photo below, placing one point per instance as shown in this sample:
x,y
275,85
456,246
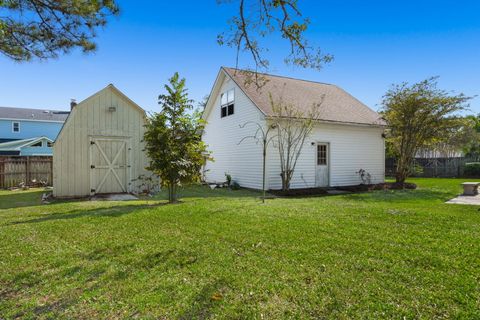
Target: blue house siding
x,y
36,151
29,129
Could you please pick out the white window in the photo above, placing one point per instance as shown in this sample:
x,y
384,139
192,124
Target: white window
x,y
227,103
15,126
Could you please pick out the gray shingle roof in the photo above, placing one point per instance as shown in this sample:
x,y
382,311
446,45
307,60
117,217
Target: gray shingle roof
x,y
33,114
337,105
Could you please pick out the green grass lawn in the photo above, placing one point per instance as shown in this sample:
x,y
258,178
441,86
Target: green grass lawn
x,y
222,254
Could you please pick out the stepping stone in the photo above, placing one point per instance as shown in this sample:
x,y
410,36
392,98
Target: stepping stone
x,y
114,197
462,199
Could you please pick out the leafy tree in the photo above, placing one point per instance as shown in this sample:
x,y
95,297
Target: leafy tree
x,y
44,28
173,139
455,140
419,116
293,125
257,19
472,148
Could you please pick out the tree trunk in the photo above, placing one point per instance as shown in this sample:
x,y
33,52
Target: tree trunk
x,y
264,160
172,192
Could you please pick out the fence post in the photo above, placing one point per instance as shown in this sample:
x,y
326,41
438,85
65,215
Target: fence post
x,y
27,172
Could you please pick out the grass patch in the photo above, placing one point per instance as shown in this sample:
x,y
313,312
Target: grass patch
x,y
222,254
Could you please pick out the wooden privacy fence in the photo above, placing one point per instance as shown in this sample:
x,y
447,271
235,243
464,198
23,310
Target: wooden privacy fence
x,y
433,167
17,170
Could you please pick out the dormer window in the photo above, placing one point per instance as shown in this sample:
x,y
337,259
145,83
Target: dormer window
x,y
227,103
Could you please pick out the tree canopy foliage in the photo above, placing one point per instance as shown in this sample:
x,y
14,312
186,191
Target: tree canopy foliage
x,y
420,116
173,139
45,28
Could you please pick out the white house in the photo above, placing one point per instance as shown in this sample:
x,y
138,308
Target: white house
x,y
349,136
100,147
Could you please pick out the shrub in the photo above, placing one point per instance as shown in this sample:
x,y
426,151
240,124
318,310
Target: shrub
x,y
472,169
228,177
235,185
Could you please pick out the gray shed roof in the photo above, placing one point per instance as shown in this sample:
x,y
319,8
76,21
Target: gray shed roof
x,y
337,105
33,114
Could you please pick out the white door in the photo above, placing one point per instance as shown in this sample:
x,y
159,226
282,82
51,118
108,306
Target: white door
x,y
322,165
108,165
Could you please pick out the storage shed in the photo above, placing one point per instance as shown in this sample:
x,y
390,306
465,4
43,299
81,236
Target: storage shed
x,y
99,149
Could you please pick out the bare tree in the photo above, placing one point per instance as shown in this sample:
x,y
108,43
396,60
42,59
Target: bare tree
x,y
257,19
293,126
264,137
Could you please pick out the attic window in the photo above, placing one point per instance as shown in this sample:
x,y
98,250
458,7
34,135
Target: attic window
x,y
49,144
227,107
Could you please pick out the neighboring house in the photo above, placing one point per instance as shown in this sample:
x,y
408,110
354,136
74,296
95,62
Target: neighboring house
x,y
27,125
41,146
100,147
349,136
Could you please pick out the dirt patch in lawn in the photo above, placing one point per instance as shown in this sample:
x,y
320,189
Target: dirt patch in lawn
x,y
305,192
378,186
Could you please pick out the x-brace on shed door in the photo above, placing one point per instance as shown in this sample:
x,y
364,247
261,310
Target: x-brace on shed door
x,y
109,166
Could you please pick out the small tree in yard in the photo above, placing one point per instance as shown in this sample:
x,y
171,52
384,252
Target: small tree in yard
x,y
173,139
419,116
263,136
293,125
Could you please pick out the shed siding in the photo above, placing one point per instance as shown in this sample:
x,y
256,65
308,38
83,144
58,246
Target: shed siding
x,y
222,135
91,118
351,148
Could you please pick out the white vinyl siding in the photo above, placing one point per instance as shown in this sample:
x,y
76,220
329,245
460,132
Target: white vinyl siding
x,y
351,148
222,135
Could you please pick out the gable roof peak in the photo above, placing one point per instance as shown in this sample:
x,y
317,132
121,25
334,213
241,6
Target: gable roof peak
x,y
337,105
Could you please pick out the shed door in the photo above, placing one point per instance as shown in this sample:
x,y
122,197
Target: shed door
x,y
108,165
322,165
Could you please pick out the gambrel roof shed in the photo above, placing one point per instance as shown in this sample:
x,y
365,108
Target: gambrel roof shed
x,y
100,148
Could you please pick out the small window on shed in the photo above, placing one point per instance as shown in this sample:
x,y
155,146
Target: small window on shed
x,y
227,101
15,126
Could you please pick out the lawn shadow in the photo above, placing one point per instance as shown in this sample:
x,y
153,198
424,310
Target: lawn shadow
x,y
202,306
19,199
113,212
200,191
400,195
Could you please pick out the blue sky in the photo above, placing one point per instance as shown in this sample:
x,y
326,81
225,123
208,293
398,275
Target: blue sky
x,y
375,44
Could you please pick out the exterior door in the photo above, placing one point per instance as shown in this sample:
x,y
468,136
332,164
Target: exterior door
x,y
108,165
322,165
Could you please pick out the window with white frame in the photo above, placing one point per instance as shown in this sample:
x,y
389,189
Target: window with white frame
x,y
15,126
227,102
